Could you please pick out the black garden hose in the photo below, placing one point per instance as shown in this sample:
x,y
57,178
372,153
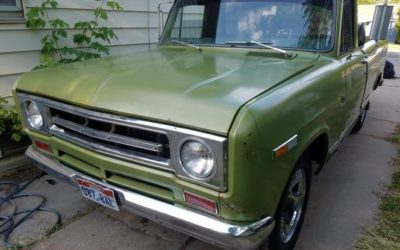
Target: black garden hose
x,y
8,223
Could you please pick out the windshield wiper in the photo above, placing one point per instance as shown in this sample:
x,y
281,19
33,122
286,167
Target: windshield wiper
x,y
189,44
265,45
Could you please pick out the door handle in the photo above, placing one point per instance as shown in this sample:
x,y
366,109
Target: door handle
x,y
364,61
342,99
349,57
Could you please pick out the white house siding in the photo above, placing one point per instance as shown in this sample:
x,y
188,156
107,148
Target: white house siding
x,y
20,47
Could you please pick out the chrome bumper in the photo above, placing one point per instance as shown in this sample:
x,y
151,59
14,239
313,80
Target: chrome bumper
x,y
209,229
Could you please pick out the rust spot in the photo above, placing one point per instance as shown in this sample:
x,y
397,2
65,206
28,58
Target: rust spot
x,y
231,207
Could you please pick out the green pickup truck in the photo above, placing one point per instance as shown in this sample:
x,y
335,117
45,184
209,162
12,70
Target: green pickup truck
x,y
215,131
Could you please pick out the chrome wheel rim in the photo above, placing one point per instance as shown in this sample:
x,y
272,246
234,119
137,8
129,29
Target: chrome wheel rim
x,y
363,115
292,208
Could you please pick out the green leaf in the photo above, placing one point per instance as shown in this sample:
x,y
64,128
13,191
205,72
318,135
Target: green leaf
x,y
54,36
40,23
47,60
100,13
105,34
67,51
53,4
49,47
3,101
114,5
81,39
33,13
111,34
41,66
35,18
45,39
58,23
82,25
119,7
111,4
17,137
63,33
99,47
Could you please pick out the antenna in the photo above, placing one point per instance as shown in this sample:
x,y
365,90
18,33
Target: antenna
x,y
148,24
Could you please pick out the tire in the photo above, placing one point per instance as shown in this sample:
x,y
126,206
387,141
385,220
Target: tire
x,y
360,122
290,214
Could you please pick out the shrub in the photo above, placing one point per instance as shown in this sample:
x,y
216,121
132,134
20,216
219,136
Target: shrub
x,y
10,124
397,25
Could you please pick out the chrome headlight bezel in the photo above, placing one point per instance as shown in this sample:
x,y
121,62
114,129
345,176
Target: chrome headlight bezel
x,y
218,148
32,109
210,170
28,115
24,100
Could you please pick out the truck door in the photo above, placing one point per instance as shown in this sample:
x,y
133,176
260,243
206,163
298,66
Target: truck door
x,y
355,69
373,63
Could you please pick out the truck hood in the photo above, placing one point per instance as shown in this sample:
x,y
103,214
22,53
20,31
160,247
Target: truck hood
x,y
178,86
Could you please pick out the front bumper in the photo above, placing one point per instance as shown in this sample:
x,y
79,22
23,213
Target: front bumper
x,y
212,230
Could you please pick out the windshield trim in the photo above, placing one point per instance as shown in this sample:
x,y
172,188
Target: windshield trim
x,y
160,39
333,44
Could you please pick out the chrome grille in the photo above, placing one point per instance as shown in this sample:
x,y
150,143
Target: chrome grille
x,y
111,137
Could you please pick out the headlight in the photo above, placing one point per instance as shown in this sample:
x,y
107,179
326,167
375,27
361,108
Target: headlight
x,y
197,159
33,115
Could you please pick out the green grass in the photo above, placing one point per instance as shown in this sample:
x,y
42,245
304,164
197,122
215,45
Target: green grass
x,y
394,47
386,233
374,2
366,2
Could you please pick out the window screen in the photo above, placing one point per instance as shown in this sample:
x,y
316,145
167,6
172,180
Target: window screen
x,y
11,10
9,5
8,2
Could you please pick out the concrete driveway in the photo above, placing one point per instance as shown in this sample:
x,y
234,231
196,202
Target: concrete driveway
x,y
343,198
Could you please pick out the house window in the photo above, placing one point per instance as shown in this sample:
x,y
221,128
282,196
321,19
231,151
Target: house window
x,y
11,10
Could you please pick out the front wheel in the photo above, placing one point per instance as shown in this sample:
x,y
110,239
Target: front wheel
x,y
292,208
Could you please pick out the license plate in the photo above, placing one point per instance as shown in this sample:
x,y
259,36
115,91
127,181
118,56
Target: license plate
x,y
97,193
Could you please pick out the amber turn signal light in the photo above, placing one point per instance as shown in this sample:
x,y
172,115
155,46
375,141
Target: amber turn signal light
x,y
281,151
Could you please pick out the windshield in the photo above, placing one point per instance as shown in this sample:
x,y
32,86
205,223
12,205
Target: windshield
x,y
291,24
